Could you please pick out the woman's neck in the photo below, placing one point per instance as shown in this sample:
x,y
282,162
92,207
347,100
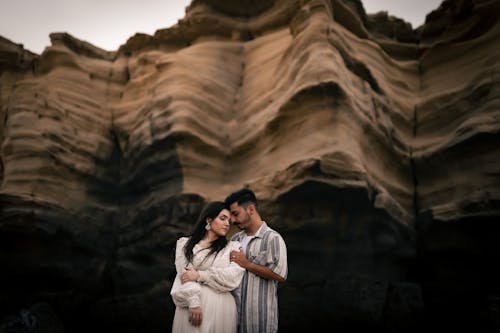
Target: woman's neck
x,y
209,238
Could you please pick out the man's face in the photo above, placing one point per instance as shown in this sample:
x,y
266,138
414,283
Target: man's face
x,y
239,216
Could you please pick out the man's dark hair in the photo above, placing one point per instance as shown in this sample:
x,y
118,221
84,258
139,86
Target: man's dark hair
x,y
242,197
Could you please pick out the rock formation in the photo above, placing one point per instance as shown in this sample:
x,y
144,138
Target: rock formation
x,y
372,146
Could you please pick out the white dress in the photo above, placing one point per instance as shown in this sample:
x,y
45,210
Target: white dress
x,y
218,276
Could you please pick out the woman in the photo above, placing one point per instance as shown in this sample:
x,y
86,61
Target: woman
x,y
205,275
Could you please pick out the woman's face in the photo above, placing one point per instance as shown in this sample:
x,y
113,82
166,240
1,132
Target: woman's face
x,y
220,224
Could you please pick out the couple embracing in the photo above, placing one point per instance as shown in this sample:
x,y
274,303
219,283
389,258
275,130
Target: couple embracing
x,y
229,286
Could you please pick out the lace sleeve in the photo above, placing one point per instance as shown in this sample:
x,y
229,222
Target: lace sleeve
x,y
225,277
187,294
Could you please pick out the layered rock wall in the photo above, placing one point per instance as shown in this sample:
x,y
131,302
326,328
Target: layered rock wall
x,y
373,148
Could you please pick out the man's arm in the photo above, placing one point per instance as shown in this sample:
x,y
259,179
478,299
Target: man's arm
x,y
262,271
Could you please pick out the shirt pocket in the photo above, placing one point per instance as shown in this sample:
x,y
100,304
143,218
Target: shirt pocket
x,y
258,257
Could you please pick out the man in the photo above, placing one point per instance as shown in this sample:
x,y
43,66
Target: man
x,y
263,255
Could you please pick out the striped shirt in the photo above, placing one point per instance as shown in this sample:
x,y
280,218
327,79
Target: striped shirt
x,y
257,298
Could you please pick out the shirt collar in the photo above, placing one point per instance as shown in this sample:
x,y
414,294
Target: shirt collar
x,y
260,233
262,230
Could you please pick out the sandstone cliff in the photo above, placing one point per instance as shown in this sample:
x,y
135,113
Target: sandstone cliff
x,y
373,148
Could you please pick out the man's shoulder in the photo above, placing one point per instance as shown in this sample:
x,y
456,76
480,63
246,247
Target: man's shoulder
x,y
271,233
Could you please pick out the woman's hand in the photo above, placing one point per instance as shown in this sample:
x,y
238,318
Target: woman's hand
x,y
190,275
195,316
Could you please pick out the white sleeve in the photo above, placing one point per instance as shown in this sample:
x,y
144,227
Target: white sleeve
x,y
180,258
226,277
187,294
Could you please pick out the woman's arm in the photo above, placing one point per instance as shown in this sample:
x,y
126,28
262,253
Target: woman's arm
x,y
180,258
221,277
184,294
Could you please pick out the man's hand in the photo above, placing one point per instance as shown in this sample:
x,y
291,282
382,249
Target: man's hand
x,y
239,258
262,271
195,316
190,275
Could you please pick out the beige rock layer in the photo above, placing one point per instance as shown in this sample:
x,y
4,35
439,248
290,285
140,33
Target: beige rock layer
x,y
243,112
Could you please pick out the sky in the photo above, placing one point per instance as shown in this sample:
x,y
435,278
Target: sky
x,y
109,23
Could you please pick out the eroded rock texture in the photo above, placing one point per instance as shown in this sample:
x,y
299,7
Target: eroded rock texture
x,y
373,148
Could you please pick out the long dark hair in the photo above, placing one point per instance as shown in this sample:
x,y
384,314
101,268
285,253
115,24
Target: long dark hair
x,y
211,210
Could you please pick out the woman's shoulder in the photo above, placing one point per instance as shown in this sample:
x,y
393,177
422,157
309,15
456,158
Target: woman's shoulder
x,y
233,245
181,241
